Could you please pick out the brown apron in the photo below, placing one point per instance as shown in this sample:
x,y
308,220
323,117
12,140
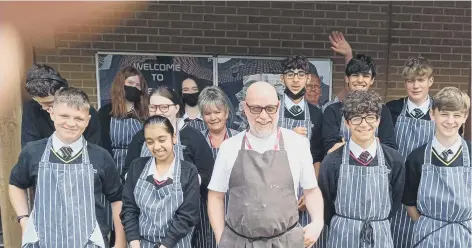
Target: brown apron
x,y
262,207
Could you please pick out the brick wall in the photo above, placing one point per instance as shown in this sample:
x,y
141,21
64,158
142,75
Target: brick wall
x,y
441,31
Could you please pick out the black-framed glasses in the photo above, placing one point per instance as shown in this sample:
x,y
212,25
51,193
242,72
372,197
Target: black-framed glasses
x,y
357,120
269,109
162,107
291,74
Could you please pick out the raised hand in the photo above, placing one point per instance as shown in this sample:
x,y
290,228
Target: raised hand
x,y
339,44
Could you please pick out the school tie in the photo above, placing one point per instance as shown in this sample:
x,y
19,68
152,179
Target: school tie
x,y
365,157
417,113
66,152
296,110
446,153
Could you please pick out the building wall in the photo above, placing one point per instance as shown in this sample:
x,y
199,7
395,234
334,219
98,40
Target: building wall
x,y
390,32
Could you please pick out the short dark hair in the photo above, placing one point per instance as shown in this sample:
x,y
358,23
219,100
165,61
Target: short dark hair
x,y
157,119
295,62
43,80
360,64
359,102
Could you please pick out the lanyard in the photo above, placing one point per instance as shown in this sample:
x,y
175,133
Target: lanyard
x,y
276,145
211,139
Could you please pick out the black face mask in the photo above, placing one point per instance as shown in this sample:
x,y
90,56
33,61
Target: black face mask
x,y
295,96
190,99
132,94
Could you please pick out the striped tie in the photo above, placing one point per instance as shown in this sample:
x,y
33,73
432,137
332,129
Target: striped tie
x,y
446,153
417,113
66,152
365,157
295,110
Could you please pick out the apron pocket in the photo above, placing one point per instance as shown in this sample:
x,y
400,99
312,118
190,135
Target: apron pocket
x,y
30,236
96,238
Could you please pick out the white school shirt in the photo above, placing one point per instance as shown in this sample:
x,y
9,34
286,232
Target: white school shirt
x,y
296,146
454,148
424,107
57,144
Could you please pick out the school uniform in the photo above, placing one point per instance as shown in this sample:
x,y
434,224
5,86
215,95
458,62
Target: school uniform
x,y
204,236
439,183
413,128
334,128
70,182
304,114
262,177
36,124
189,140
160,209
193,149
361,189
196,123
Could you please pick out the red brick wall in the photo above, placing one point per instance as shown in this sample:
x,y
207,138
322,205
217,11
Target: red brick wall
x,y
440,31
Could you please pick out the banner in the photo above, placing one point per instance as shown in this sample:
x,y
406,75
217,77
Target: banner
x,y
158,70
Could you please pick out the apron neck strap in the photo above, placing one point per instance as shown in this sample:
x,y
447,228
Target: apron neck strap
x,y
465,153
279,142
47,151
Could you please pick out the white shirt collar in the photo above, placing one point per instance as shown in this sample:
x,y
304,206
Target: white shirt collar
x,y
186,116
58,144
168,174
454,148
357,150
424,107
289,103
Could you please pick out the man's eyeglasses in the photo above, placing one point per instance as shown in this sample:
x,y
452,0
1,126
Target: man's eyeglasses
x,y
162,107
357,120
312,87
291,74
269,109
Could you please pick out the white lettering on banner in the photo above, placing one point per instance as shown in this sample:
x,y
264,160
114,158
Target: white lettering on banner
x,y
157,67
157,77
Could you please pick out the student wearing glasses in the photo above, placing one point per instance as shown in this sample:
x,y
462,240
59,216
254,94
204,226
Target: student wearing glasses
x,y
300,116
362,181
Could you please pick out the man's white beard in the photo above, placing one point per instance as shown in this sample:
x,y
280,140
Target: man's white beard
x,y
263,134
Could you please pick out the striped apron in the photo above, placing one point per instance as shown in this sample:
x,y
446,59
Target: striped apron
x,y
196,123
121,134
304,217
158,206
445,204
63,214
362,205
410,134
204,236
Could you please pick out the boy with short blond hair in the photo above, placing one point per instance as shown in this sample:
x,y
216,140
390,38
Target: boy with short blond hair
x,y
413,128
438,190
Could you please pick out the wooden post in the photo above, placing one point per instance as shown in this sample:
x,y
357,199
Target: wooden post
x,y
10,125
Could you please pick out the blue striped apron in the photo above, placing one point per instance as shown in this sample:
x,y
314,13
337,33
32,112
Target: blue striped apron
x,y
362,205
121,134
158,206
63,214
410,133
445,204
204,236
304,217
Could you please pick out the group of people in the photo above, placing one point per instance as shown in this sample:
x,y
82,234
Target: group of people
x,y
165,169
